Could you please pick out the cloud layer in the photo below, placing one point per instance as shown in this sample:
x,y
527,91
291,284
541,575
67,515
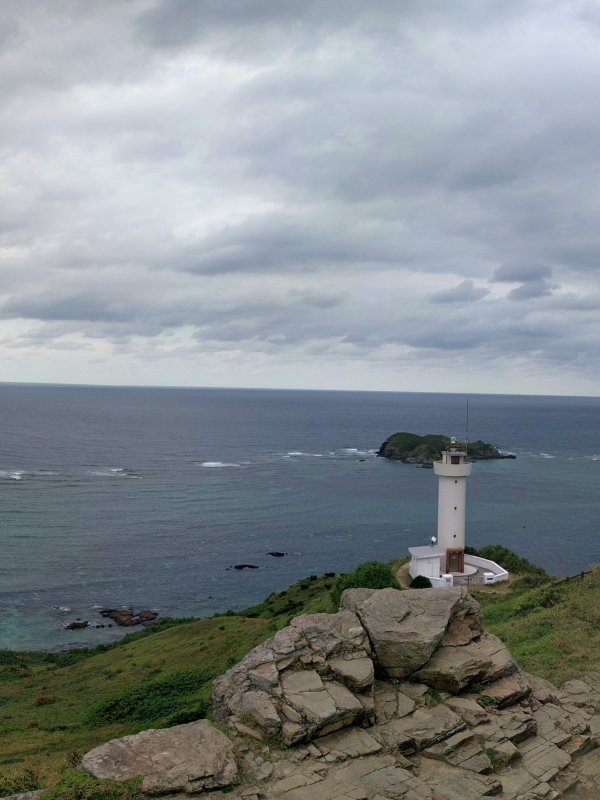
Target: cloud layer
x,y
317,194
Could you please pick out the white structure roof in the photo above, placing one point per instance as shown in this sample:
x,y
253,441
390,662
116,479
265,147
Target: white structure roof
x,y
428,551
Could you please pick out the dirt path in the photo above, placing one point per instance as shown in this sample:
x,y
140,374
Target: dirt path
x,y
403,577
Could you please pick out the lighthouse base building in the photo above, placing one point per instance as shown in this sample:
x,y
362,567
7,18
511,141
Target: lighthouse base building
x,y
444,562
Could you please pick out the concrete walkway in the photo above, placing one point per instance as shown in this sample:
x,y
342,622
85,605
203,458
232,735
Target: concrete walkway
x,y
403,578
476,579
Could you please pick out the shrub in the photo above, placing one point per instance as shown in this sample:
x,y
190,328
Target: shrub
x,y
515,564
371,575
487,702
44,700
151,700
188,715
73,758
17,780
529,581
420,582
540,598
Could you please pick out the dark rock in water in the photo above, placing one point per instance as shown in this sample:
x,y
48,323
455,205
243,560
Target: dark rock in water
x,y
277,554
329,575
126,618
77,625
245,566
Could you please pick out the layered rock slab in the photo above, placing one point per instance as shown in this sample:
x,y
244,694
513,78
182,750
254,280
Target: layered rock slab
x,y
310,679
186,758
454,668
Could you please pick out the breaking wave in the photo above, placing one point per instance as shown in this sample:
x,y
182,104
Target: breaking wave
x,y
113,472
12,474
218,464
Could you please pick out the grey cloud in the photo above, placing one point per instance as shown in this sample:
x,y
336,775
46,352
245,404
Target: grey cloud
x,y
532,277
281,241
522,273
292,178
199,20
319,299
465,292
529,290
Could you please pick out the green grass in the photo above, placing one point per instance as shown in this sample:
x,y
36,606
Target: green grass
x,y
55,707
552,631
77,785
182,693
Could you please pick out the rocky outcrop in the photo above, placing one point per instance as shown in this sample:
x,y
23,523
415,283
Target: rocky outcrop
x,y
127,618
405,628
449,715
312,678
316,676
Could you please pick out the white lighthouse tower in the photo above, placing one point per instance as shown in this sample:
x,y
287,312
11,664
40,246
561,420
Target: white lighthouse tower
x,y
452,470
443,562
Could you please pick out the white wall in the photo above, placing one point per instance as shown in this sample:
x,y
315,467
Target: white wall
x,y
428,567
495,572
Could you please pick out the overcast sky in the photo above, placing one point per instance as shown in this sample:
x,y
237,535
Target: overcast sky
x,y
301,193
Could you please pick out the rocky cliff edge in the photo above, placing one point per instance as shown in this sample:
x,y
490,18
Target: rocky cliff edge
x,y
398,695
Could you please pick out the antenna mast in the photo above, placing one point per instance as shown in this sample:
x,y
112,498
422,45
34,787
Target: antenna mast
x,y
467,426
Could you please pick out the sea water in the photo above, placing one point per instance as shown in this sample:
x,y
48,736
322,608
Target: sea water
x,y
139,497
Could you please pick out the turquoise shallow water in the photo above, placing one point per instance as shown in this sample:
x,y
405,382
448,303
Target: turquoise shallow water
x,y
145,497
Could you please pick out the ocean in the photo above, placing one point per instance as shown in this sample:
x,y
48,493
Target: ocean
x,y
141,497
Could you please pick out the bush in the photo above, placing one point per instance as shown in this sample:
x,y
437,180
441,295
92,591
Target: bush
x,y
420,582
529,581
188,715
17,780
44,700
371,575
515,564
152,700
540,598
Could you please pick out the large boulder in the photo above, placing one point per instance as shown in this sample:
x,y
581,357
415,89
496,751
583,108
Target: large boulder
x,y
405,628
186,758
312,678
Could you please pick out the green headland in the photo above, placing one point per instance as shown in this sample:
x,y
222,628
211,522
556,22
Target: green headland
x,y
415,449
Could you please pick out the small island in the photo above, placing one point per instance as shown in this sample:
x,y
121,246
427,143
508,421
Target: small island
x,y
414,449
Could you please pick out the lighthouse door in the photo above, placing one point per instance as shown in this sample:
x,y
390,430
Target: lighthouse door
x,y
455,560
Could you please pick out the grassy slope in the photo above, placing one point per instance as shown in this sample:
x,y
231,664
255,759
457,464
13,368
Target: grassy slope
x,y
46,733
553,632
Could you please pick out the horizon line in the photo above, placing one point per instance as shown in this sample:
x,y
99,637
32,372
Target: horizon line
x,y
57,384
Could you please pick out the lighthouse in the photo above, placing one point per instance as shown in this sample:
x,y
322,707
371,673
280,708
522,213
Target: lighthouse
x,y
452,471
444,562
